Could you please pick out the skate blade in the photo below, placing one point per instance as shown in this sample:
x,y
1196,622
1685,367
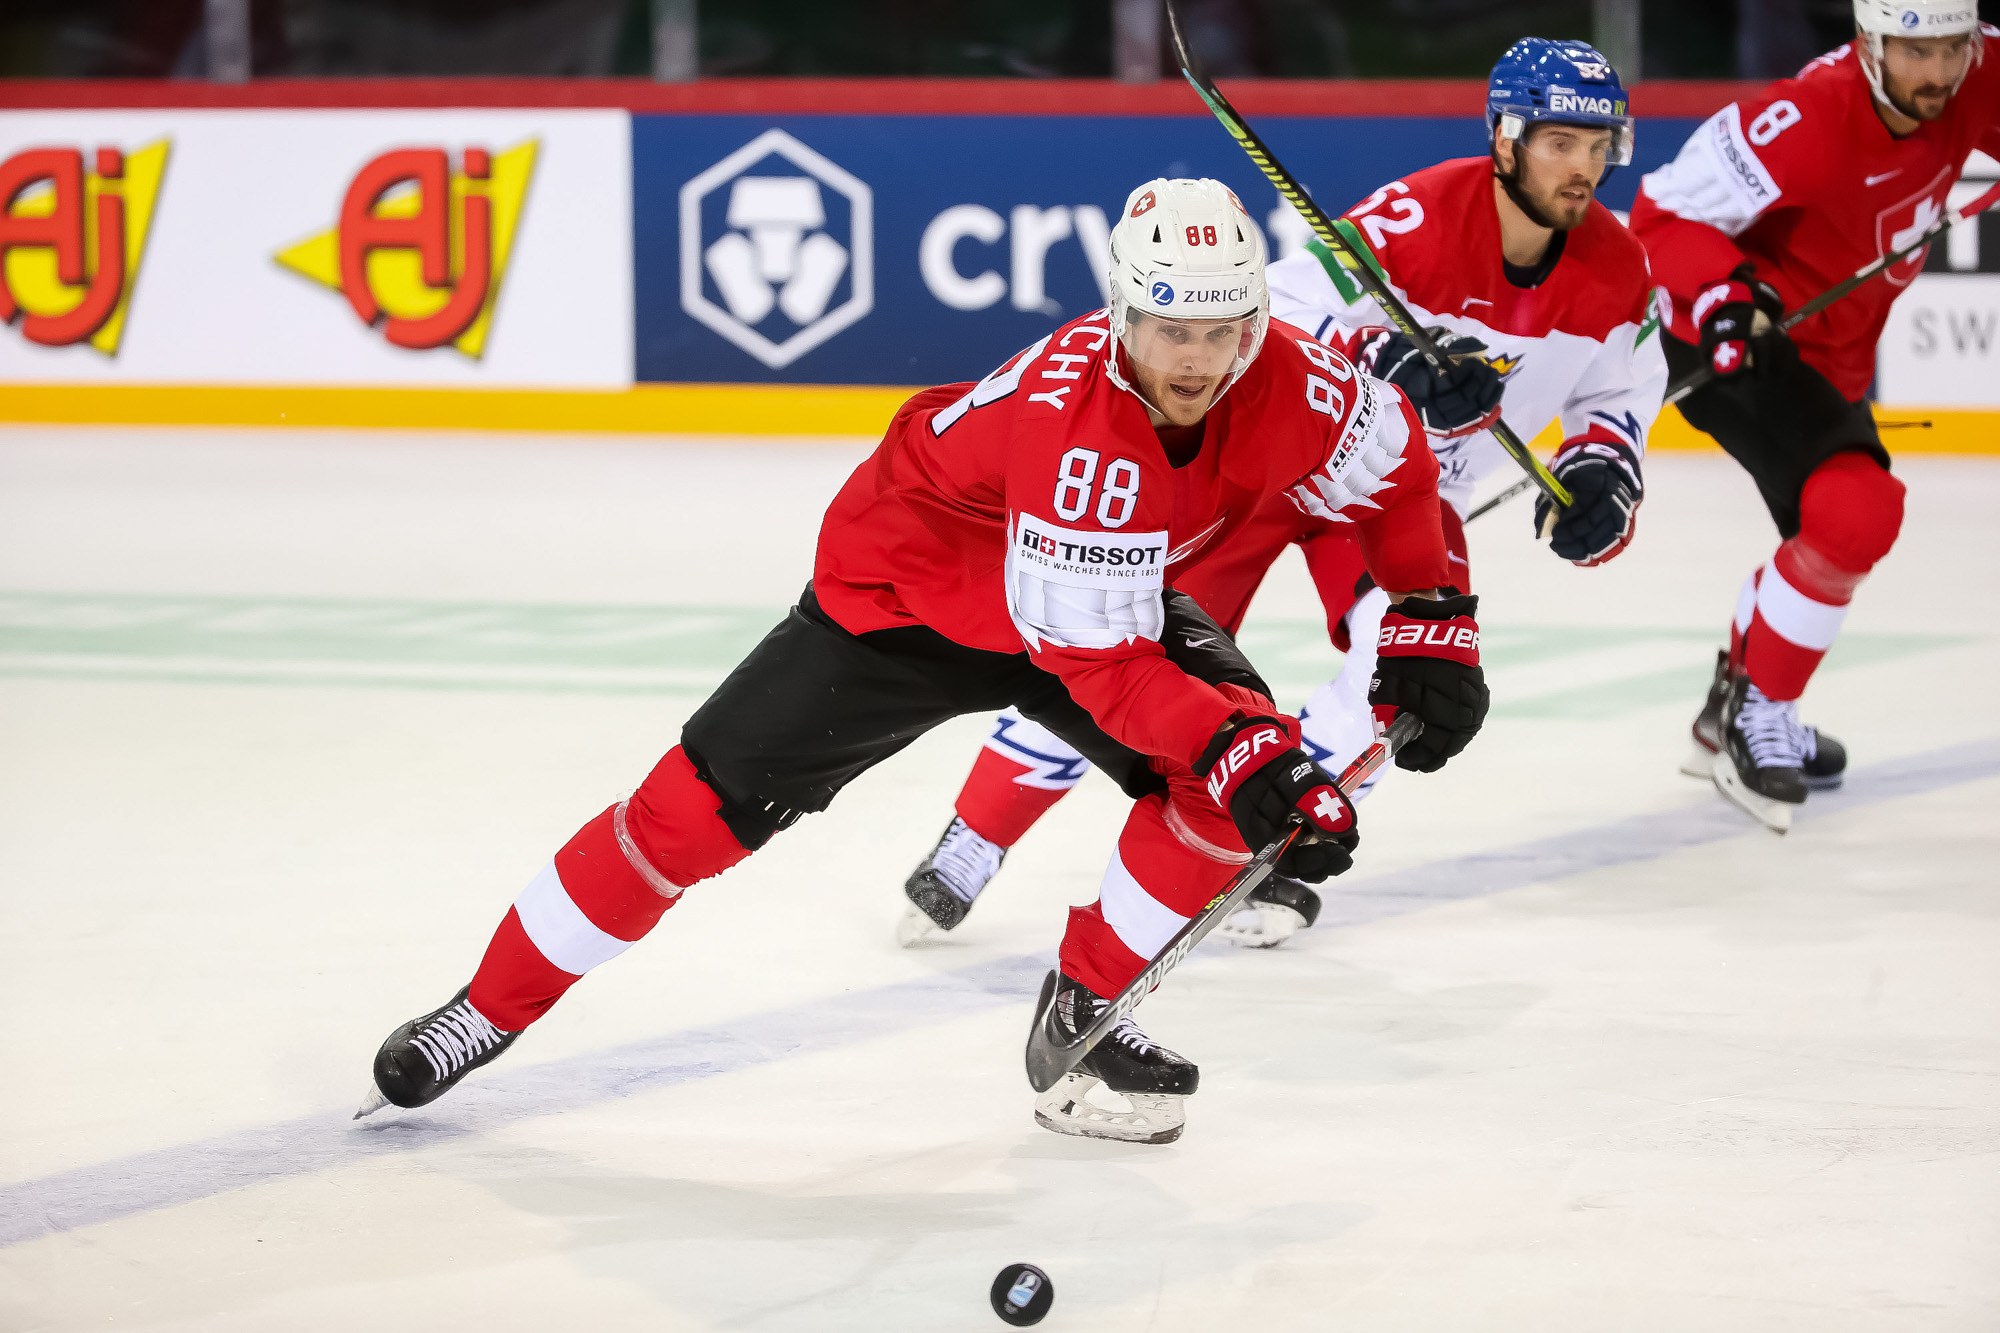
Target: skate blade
x,y
1700,762
1264,926
372,1103
916,930
1773,815
1065,1109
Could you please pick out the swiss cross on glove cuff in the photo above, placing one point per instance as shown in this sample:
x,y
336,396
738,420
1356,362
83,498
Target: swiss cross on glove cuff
x,y
1255,771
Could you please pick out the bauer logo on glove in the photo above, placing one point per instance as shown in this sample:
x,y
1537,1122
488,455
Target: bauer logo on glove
x,y
1427,663
1256,772
1457,640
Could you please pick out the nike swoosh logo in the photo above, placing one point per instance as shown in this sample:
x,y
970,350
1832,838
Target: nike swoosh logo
x,y
1472,300
1877,180
1196,643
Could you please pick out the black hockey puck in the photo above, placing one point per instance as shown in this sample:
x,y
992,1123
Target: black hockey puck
x,y
1022,1294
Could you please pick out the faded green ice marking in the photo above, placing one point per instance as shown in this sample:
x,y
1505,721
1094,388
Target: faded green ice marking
x,y
435,645
1537,671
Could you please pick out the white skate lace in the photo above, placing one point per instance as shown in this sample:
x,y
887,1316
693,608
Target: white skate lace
x,y
455,1036
965,861
1127,1034
1771,729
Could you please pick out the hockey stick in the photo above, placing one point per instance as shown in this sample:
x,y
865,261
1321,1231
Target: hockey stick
x,y
1359,265
1049,1059
1873,268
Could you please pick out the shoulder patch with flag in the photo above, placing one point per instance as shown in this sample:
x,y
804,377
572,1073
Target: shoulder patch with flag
x,y
1341,266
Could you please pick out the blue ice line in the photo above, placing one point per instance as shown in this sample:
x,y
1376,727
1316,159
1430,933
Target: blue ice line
x,y
187,1173
1647,837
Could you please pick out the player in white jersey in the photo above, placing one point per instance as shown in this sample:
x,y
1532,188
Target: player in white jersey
x,y
1546,299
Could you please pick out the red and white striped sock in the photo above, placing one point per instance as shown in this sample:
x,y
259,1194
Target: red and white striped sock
x,y
1797,605
1166,868
601,894
1791,610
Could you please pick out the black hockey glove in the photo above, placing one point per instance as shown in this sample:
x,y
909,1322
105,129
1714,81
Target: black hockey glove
x,y
1738,318
1427,663
1458,403
1256,772
1603,480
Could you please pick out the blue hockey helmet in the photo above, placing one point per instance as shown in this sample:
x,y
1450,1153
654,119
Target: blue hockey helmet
x,y
1565,83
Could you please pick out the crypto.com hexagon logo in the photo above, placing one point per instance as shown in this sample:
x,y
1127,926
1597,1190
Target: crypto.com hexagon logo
x,y
776,259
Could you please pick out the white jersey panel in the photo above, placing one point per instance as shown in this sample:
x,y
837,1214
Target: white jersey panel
x,y
1717,178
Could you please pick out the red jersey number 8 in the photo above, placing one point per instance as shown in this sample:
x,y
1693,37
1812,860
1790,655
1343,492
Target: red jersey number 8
x,y
1201,236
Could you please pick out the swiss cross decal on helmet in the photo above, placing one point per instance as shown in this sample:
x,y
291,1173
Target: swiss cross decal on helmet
x,y
1186,250
1564,83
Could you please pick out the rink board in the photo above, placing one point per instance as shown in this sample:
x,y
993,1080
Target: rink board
x,y
755,411
645,256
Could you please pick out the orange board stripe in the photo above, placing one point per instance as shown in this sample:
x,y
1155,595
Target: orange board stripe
x,y
681,409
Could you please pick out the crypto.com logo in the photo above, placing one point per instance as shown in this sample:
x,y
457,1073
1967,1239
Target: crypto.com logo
x,y
71,240
776,262
420,248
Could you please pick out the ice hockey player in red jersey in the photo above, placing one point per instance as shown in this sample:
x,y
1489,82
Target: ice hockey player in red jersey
x,y
1772,201
1513,263
1016,542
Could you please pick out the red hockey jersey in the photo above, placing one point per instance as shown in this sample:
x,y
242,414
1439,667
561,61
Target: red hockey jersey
x,y
1807,183
1578,348
1039,507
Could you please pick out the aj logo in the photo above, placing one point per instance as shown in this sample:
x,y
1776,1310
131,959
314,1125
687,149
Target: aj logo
x,y
421,249
71,240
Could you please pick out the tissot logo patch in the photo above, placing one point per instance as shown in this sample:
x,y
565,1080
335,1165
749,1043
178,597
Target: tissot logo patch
x,y
1129,560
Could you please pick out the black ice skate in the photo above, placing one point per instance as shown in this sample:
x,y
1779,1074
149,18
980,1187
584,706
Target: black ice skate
x,y
942,887
1761,766
1152,1079
426,1057
1825,763
1276,910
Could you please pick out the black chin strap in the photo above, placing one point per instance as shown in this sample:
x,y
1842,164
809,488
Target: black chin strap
x,y
1510,181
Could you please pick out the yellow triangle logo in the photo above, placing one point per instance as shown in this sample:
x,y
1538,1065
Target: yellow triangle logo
x,y
394,275
59,313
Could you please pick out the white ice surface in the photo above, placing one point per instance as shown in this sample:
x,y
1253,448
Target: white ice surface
x,y
1662,1071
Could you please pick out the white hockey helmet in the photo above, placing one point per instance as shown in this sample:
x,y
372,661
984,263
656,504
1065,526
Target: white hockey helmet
x,y
1876,19
1187,250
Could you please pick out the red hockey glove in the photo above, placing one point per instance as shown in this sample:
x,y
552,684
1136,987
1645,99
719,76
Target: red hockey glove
x,y
1602,474
1427,662
1451,405
1255,770
1738,319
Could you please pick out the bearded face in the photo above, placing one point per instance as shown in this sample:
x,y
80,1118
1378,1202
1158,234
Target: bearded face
x,y
1551,172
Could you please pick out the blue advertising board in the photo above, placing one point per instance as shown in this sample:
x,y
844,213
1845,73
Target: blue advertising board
x,y
906,249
